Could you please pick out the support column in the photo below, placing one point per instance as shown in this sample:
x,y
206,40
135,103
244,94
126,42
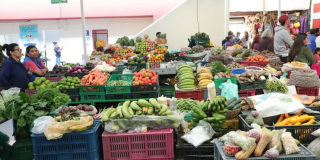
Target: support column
x,y
84,57
226,16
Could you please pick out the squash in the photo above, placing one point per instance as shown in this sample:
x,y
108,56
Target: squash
x,y
287,121
309,122
276,140
245,154
304,101
265,138
301,119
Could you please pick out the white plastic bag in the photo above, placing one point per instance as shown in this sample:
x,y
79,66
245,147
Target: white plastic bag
x,y
41,124
275,104
199,134
211,91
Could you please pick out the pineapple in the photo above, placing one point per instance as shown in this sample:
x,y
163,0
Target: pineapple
x,y
164,40
158,39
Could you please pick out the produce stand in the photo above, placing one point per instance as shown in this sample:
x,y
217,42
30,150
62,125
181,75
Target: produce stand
x,y
303,154
22,149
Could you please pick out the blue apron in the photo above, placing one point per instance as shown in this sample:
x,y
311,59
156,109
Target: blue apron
x,y
39,65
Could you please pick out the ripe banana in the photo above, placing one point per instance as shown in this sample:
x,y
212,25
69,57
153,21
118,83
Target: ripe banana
x,y
203,70
82,127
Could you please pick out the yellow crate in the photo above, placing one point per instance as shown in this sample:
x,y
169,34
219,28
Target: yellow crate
x,y
230,125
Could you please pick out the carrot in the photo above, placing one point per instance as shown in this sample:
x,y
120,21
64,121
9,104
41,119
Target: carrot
x,y
301,119
298,114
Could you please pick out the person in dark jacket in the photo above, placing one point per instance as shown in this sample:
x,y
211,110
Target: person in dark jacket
x,y
13,73
266,41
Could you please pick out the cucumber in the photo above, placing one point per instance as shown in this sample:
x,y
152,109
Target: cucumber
x,y
235,102
237,106
230,107
231,100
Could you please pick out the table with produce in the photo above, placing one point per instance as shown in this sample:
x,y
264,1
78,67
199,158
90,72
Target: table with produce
x,y
137,97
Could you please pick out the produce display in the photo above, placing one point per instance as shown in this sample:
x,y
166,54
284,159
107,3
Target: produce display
x,y
95,77
237,46
249,76
89,65
95,52
141,46
100,43
185,105
68,82
272,71
125,41
200,35
116,57
218,55
203,78
234,65
276,86
297,64
40,83
85,109
225,75
196,49
156,58
268,54
217,67
111,49
171,57
213,112
118,83
241,53
58,69
186,79
145,77
256,58
185,49
104,67
217,51
77,69
298,119
234,104
137,60
161,50
162,38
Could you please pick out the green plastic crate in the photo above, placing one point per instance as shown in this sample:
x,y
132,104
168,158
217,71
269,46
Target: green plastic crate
x,y
118,96
218,81
119,89
139,66
70,91
22,149
80,102
167,91
120,69
74,98
261,84
48,75
92,96
91,89
145,95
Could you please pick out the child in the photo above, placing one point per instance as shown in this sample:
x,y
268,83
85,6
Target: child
x,y
316,65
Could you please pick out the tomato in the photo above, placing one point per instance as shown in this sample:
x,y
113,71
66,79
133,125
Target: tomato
x,y
142,83
147,78
154,82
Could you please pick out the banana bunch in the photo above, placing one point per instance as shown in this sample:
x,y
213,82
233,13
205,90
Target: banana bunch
x,y
82,127
186,78
203,78
100,43
140,107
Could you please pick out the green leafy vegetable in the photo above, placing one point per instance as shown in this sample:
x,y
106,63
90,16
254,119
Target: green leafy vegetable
x,y
217,67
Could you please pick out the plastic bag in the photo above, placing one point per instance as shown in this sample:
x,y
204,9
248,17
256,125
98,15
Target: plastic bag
x,y
152,122
287,67
276,140
272,104
314,147
201,133
172,103
272,153
41,124
244,142
255,132
289,144
211,91
316,133
229,90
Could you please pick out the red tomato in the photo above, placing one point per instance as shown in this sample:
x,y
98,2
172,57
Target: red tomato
x,y
154,82
147,78
142,83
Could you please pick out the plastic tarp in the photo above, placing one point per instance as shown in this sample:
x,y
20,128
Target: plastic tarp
x,y
271,5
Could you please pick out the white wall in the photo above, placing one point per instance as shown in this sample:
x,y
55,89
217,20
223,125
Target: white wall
x,y
181,23
71,36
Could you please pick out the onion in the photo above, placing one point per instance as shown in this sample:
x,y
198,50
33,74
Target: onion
x,y
81,67
75,72
68,71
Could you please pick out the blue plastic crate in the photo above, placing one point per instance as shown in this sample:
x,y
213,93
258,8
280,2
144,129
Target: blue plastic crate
x,y
85,141
93,155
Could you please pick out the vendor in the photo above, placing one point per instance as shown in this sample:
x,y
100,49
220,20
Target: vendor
x,y
299,50
157,35
13,73
33,62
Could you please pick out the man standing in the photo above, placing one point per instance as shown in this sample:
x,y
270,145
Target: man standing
x,y
312,40
282,38
58,50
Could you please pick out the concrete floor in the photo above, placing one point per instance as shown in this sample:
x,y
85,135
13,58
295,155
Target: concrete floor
x,y
7,129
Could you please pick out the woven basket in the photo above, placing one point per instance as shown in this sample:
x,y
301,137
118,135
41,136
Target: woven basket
x,y
233,113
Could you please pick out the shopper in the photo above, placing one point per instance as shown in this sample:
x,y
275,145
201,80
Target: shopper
x,y
312,40
256,42
229,42
300,52
157,34
245,40
58,50
282,38
266,41
316,65
13,73
33,62
236,39
230,34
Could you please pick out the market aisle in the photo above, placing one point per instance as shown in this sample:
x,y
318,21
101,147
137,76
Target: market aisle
x,y
7,129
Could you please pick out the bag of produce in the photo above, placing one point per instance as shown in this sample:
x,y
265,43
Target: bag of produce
x,y
255,132
276,141
229,90
244,142
314,147
316,133
152,122
272,153
289,143
304,78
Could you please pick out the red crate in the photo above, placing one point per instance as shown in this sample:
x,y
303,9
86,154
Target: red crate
x,y
247,93
154,144
194,94
30,92
312,91
54,79
258,64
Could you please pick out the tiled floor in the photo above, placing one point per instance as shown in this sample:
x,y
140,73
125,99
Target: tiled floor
x,y
7,129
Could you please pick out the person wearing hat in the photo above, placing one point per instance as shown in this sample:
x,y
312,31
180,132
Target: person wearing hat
x,y
282,38
58,50
230,34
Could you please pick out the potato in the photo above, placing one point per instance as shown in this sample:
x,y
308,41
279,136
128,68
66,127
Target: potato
x,y
88,108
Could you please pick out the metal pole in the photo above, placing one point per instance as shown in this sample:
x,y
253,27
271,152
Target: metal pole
x,y
84,57
279,12
226,16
